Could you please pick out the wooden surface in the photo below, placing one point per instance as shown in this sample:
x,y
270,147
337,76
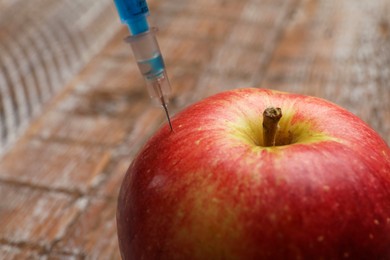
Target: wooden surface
x,y
59,182
43,45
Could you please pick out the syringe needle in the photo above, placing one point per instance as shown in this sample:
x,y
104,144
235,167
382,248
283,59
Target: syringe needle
x,y
166,112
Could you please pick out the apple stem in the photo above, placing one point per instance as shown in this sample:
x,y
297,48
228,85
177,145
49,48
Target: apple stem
x,y
271,117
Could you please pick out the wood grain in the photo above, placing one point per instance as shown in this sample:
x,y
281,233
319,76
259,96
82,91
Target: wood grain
x,y
35,218
43,45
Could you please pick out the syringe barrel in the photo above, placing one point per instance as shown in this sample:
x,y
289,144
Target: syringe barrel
x,y
151,64
159,89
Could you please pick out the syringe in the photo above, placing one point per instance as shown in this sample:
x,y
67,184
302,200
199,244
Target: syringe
x,y
146,51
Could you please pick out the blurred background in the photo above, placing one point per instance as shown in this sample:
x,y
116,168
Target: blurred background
x,y
74,110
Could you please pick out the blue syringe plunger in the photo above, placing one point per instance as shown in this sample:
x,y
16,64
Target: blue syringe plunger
x,y
134,14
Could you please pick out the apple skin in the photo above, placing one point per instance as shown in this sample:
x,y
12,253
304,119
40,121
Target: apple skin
x,y
209,190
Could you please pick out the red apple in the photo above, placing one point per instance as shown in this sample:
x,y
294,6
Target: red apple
x,y
212,190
